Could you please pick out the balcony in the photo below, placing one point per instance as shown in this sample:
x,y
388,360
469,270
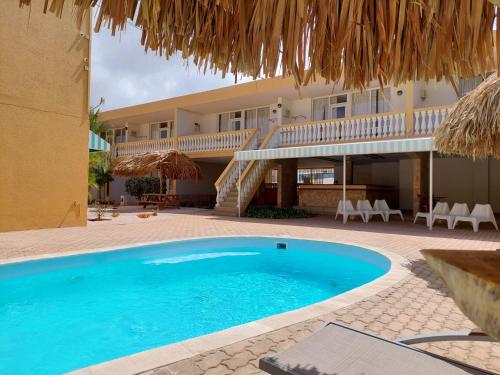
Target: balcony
x,y
216,144
367,127
381,126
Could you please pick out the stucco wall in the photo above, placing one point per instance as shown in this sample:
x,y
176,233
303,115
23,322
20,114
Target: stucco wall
x,y
43,119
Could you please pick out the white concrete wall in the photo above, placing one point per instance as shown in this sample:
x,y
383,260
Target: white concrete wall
x,y
465,180
433,93
185,121
406,184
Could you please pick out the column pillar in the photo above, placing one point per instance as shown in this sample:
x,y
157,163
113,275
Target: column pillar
x,y
287,183
409,107
420,178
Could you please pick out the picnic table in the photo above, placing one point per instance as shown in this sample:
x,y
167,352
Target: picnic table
x,y
473,279
160,200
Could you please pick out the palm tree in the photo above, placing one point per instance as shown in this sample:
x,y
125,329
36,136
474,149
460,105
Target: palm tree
x,y
99,162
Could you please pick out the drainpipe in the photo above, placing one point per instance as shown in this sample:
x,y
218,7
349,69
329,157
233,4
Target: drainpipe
x,y
344,217
430,188
239,188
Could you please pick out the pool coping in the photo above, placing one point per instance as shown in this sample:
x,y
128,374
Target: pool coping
x,y
167,354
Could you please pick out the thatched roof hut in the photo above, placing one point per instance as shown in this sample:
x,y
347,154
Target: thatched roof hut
x,y
473,127
173,164
359,40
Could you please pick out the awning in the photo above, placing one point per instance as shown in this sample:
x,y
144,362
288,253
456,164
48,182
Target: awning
x,y
96,143
353,148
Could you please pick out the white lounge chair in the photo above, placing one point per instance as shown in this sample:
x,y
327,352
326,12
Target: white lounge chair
x,y
481,213
441,208
349,210
381,205
458,209
366,208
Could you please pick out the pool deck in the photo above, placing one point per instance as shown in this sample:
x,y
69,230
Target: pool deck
x,y
417,303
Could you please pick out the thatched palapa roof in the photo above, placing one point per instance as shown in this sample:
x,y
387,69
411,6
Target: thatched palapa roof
x,y
473,127
361,40
173,164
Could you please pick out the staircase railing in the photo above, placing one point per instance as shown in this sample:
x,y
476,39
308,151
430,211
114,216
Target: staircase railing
x,y
229,176
255,172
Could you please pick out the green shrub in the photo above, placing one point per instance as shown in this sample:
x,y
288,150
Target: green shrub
x,y
276,213
137,186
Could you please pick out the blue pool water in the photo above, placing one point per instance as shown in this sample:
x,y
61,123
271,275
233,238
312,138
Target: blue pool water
x,y
65,313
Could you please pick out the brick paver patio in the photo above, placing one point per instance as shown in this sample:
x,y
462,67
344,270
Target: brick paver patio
x,y
417,304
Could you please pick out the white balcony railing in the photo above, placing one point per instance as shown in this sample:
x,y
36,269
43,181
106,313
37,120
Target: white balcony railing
x,y
225,141
426,120
139,147
375,126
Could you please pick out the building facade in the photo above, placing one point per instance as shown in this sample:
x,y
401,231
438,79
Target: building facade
x,y
268,114
44,91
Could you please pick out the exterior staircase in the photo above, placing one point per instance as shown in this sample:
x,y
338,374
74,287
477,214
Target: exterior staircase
x,y
247,179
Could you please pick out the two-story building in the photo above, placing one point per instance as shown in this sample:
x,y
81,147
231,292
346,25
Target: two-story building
x,y
390,130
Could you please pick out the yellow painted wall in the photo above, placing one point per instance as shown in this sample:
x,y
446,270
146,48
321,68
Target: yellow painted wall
x,y
43,118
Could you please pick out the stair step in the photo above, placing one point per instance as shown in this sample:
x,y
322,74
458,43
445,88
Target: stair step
x,y
226,211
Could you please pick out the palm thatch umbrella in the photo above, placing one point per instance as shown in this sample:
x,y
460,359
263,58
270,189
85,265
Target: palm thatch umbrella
x,y
173,165
359,40
473,127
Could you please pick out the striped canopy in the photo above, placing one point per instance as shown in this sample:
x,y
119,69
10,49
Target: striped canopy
x,y
354,148
96,143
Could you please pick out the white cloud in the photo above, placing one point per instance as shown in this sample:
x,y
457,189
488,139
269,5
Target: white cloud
x,y
125,75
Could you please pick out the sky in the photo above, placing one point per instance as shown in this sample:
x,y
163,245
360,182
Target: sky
x,y
123,74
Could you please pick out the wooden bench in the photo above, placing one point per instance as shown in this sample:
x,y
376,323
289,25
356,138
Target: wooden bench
x,y
160,200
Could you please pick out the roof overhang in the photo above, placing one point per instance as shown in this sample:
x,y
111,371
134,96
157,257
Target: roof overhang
x,y
353,148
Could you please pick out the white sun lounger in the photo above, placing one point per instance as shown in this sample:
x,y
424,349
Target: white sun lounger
x,y
381,205
366,208
441,208
458,210
482,213
349,210
340,350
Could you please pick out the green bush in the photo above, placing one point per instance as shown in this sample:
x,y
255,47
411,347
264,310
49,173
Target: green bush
x,y
137,186
276,213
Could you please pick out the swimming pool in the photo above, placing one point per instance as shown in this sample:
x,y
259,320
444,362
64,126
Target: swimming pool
x,y
65,313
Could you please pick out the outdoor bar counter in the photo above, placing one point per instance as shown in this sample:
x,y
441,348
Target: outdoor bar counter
x,y
325,198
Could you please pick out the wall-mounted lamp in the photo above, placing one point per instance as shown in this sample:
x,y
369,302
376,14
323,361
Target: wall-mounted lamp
x,y
279,105
423,94
197,127
399,92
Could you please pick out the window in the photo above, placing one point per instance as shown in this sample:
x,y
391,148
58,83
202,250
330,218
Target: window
x,y
224,122
245,119
320,109
468,84
160,130
118,135
316,176
235,121
263,120
351,104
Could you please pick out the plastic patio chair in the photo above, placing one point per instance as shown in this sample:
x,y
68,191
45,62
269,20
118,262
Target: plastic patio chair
x,y
381,205
349,211
482,213
441,208
366,208
458,209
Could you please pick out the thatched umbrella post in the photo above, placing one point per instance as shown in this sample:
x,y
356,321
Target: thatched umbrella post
x,y
161,181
